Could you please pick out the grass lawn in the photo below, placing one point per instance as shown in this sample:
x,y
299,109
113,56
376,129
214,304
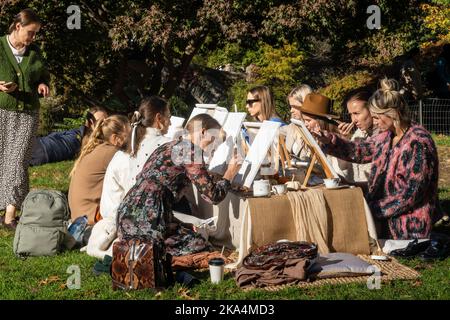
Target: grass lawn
x,y
45,277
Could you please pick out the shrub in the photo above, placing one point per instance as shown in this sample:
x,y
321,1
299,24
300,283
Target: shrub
x,y
277,67
178,107
437,20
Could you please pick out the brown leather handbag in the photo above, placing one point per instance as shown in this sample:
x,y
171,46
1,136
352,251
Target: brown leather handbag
x,y
139,264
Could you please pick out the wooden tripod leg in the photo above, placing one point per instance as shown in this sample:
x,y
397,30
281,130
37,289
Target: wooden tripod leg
x,y
286,152
282,158
310,168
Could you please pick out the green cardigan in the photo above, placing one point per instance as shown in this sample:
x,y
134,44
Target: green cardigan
x,y
27,75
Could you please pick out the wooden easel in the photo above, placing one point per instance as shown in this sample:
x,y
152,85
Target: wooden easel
x,y
315,157
282,151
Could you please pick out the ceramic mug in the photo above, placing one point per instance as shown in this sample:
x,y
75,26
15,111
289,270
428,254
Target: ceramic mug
x,y
331,183
295,185
279,189
261,188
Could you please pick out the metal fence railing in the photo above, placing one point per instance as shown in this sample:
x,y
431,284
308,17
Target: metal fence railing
x,y
432,113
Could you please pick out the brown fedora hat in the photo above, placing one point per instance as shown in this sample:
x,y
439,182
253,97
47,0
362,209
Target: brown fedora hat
x,y
317,105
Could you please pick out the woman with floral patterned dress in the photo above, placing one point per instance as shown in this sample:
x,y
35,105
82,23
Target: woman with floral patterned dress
x,y
146,210
404,176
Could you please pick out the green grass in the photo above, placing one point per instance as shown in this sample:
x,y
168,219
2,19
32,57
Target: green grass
x,y
441,140
45,277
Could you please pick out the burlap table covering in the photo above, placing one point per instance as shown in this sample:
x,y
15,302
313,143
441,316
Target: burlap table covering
x,y
272,220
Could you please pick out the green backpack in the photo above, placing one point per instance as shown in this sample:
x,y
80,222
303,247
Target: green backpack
x,y
42,228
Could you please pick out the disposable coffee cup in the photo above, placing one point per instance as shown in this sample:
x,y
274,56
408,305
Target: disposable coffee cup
x,y
216,268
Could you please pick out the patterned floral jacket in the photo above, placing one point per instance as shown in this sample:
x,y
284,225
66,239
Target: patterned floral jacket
x,y
146,210
403,180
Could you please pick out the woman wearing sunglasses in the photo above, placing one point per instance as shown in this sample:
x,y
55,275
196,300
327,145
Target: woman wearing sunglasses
x,y
261,106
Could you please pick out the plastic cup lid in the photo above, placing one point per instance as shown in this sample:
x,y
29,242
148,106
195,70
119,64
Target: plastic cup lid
x,y
216,262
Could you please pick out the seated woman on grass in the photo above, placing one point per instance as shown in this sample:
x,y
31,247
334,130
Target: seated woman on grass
x,y
89,169
149,124
146,210
404,176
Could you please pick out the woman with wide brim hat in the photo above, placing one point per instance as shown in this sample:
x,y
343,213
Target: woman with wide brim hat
x,y
314,109
318,107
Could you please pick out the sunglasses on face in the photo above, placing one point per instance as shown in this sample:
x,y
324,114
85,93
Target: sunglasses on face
x,y
251,101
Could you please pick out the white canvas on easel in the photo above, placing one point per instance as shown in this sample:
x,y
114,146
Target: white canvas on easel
x,y
222,155
329,171
266,137
206,105
252,130
197,111
220,114
176,125
211,109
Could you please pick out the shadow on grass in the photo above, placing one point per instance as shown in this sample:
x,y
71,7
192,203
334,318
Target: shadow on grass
x,y
445,206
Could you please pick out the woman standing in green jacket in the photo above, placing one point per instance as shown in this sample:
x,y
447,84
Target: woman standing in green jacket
x,y
23,77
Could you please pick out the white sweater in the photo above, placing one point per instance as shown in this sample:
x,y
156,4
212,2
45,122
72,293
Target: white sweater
x,y
353,172
121,173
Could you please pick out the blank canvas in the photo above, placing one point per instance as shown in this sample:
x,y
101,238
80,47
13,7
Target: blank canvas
x,y
220,114
264,139
197,111
222,155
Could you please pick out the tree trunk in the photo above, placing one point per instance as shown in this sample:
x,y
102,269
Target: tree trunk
x,y
156,79
177,75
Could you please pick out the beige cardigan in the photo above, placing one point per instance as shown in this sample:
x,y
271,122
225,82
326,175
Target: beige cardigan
x,y
86,184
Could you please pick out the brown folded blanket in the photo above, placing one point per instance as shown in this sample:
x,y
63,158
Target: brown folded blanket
x,y
196,260
293,271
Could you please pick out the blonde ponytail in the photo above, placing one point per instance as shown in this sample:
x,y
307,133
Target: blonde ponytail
x,y
103,130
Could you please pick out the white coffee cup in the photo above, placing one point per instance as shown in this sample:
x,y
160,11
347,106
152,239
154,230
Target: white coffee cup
x,y
331,183
216,268
279,189
261,188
